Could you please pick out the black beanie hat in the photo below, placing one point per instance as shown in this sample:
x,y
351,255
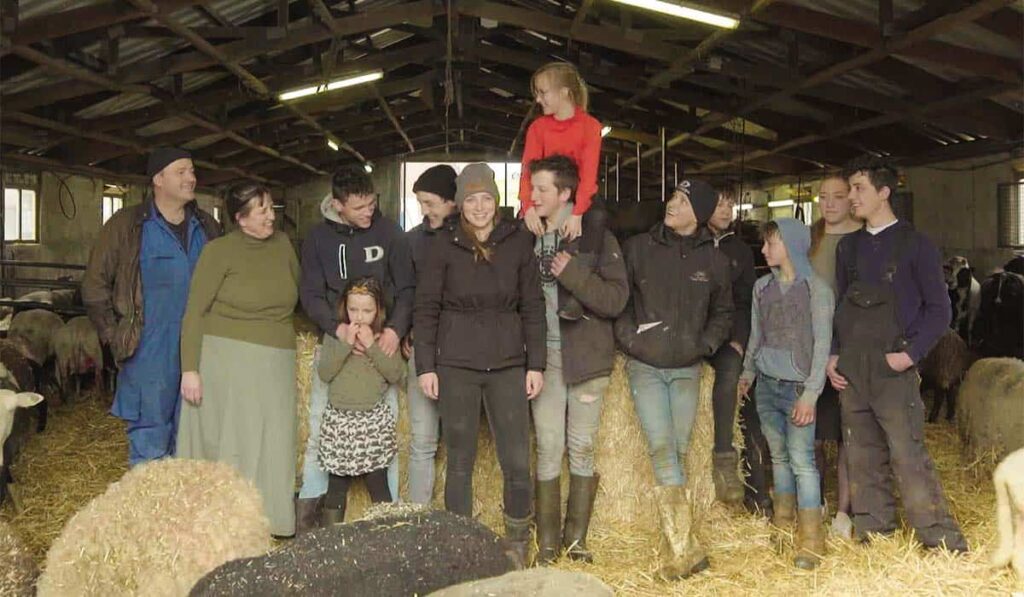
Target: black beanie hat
x,y
439,180
702,197
161,157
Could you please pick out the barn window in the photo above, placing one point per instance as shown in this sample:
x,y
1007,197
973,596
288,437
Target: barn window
x,y
1011,214
506,175
21,215
111,203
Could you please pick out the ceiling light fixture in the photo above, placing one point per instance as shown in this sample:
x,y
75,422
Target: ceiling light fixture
x,y
684,12
368,167
332,86
781,203
605,130
332,145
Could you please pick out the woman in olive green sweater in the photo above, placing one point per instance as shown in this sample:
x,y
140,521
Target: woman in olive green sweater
x,y
238,354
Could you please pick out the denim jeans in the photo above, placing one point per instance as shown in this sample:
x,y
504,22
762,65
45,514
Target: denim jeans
x,y
792,447
564,412
314,478
425,422
666,403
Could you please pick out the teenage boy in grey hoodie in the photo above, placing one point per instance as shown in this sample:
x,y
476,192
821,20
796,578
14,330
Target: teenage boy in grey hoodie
x,y
790,338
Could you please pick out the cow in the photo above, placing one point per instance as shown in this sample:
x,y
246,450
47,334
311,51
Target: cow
x,y
964,295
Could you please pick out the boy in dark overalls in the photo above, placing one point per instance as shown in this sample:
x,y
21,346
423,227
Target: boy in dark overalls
x,y
892,308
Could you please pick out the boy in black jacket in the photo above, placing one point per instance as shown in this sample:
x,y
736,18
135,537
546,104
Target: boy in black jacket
x,y
728,360
354,240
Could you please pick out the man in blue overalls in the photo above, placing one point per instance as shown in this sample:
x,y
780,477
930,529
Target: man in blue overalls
x,y
135,290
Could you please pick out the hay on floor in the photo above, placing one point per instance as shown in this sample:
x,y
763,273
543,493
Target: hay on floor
x,y
85,449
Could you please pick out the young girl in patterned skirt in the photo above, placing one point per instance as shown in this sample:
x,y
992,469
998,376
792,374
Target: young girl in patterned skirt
x,y
357,437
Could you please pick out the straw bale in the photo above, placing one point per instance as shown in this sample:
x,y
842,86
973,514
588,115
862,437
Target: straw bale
x,y
990,407
17,568
533,582
305,350
157,531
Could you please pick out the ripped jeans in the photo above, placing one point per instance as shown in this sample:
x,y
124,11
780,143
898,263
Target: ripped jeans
x,y
666,404
566,415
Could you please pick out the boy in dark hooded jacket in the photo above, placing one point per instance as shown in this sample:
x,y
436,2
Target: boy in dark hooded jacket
x,y
679,313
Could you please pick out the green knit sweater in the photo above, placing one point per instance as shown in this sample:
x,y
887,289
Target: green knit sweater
x,y
244,289
357,382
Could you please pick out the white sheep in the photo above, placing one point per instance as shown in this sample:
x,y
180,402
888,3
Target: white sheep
x,y
77,352
157,531
1009,481
36,328
10,400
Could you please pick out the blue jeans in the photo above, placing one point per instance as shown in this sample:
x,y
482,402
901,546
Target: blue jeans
x,y
666,403
792,447
314,478
425,422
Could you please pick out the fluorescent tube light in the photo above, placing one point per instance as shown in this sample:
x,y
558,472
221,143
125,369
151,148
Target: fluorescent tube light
x,y
333,85
685,12
605,130
332,145
782,203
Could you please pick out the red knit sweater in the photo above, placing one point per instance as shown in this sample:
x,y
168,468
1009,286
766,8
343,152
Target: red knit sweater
x,y
578,138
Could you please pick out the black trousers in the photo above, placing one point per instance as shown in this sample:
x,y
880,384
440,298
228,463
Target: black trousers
x,y
376,484
728,365
502,393
883,428
757,461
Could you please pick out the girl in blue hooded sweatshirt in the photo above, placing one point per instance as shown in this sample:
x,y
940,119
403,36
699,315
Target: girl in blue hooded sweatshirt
x,y
790,337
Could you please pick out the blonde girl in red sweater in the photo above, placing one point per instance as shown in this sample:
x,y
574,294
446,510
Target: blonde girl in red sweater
x,y
565,128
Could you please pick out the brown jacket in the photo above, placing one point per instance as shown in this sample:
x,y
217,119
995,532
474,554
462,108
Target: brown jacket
x,y
480,315
112,285
601,286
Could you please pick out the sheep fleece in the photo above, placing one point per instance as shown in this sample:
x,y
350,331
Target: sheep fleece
x,y
157,531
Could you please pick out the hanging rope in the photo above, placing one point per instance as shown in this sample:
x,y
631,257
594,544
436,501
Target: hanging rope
x,y
449,83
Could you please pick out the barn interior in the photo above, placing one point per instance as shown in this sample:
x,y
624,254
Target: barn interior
x,y
770,96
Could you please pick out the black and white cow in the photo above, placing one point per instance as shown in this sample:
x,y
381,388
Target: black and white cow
x,y
964,294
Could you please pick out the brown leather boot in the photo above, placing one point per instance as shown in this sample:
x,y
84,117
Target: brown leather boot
x,y
307,514
684,555
582,491
332,516
810,541
783,519
549,519
728,486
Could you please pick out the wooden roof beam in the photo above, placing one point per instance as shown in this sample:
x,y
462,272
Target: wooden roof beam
x,y
922,33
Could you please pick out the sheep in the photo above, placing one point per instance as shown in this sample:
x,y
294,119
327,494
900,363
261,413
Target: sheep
x,y
36,327
20,374
999,327
77,351
990,407
964,294
404,551
157,531
14,429
942,370
18,570
1009,485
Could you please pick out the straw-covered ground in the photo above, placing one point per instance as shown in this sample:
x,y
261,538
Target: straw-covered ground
x,y
84,449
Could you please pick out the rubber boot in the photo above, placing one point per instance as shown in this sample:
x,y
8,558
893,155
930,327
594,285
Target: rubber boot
x,y
810,539
783,518
307,514
517,533
332,516
683,556
582,491
549,519
728,487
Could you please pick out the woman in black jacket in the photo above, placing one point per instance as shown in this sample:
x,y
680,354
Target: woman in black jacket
x,y
480,334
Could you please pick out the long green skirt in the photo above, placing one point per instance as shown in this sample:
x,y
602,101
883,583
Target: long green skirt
x,y
247,419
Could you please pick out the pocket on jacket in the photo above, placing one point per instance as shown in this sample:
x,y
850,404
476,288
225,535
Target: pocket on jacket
x,y
159,270
778,363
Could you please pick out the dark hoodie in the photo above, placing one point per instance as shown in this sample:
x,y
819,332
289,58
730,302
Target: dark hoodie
x,y
741,262
683,285
335,253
